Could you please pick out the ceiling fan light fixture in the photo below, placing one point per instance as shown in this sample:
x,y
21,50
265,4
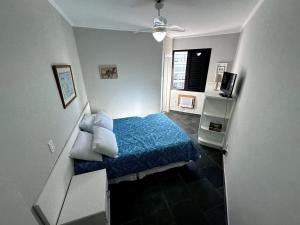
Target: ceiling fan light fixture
x,y
160,28
159,34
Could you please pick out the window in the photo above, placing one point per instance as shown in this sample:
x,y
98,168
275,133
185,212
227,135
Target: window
x,y
190,69
179,69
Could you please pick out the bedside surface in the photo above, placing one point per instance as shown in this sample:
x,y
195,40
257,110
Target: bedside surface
x,y
86,197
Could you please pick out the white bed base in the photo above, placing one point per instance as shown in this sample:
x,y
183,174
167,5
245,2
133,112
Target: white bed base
x,y
141,175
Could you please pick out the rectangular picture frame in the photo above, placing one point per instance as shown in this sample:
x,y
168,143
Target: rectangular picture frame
x,y
221,68
65,83
108,71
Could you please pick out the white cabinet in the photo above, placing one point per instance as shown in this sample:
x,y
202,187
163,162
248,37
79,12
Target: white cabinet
x,y
87,200
217,110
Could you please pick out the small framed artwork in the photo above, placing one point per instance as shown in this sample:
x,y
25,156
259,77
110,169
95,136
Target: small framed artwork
x,y
221,68
108,72
65,83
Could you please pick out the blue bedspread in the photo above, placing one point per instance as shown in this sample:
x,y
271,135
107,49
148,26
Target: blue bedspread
x,y
144,143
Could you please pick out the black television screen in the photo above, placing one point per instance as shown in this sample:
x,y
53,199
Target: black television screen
x,y
228,84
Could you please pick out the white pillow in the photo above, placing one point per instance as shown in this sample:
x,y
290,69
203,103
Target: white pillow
x,y
82,148
104,120
104,142
87,122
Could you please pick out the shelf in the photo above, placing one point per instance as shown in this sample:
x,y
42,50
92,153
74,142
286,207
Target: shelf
x,y
216,95
216,115
206,128
216,109
209,143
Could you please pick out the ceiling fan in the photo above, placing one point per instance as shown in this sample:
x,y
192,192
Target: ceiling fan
x,y
160,28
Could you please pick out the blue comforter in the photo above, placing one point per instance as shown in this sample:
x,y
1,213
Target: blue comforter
x,y
144,143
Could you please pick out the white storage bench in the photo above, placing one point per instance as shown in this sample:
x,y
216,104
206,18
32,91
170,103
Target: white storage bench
x,y
87,200
73,200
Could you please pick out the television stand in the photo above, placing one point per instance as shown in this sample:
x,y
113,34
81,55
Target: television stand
x,y
224,95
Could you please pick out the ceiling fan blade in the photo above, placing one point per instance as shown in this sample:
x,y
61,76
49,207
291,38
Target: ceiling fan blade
x,y
143,30
175,28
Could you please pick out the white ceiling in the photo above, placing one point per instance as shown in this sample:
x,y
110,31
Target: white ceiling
x,y
198,17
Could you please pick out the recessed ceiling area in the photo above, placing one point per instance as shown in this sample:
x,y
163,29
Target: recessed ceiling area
x,y
198,17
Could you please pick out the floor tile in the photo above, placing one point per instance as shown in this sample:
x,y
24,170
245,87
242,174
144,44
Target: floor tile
x,y
187,213
204,194
222,192
151,202
190,123
216,216
160,217
175,190
148,184
133,222
204,162
191,173
216,156
124,202
214,175
122,212
167,174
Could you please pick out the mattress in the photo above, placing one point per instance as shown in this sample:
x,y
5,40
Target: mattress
x,y
144,143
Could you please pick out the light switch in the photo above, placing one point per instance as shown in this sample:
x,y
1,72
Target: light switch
x,y
51,145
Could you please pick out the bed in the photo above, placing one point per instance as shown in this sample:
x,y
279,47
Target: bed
x,y
144,143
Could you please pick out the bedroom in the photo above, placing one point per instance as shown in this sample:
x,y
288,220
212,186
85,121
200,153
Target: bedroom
x,y
260,168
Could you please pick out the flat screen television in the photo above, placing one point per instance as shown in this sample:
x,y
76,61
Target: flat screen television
x,y
227,84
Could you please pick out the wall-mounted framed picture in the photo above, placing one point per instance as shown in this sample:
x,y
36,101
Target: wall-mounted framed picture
x,y
221,68
65,83
108,72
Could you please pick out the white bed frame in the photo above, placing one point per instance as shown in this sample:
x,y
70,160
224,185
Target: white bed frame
x,y
141,175
50,201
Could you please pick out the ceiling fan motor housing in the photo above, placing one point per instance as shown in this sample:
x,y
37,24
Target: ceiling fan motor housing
x,y
159,22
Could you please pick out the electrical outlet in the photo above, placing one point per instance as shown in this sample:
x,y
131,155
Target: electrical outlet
x,y
51,145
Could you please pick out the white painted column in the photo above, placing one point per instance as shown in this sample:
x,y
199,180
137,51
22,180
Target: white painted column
x,y
167,73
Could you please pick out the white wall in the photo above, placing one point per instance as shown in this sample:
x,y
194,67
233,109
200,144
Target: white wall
x,y
13,209
137,91
262,167
167,73
223,50
33,37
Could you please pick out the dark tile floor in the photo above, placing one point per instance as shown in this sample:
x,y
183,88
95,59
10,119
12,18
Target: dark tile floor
x,y
189,195
190,123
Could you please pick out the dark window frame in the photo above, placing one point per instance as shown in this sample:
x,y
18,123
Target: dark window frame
x,y
203,79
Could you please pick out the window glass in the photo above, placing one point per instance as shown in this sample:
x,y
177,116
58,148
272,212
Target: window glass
x,y
179,69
